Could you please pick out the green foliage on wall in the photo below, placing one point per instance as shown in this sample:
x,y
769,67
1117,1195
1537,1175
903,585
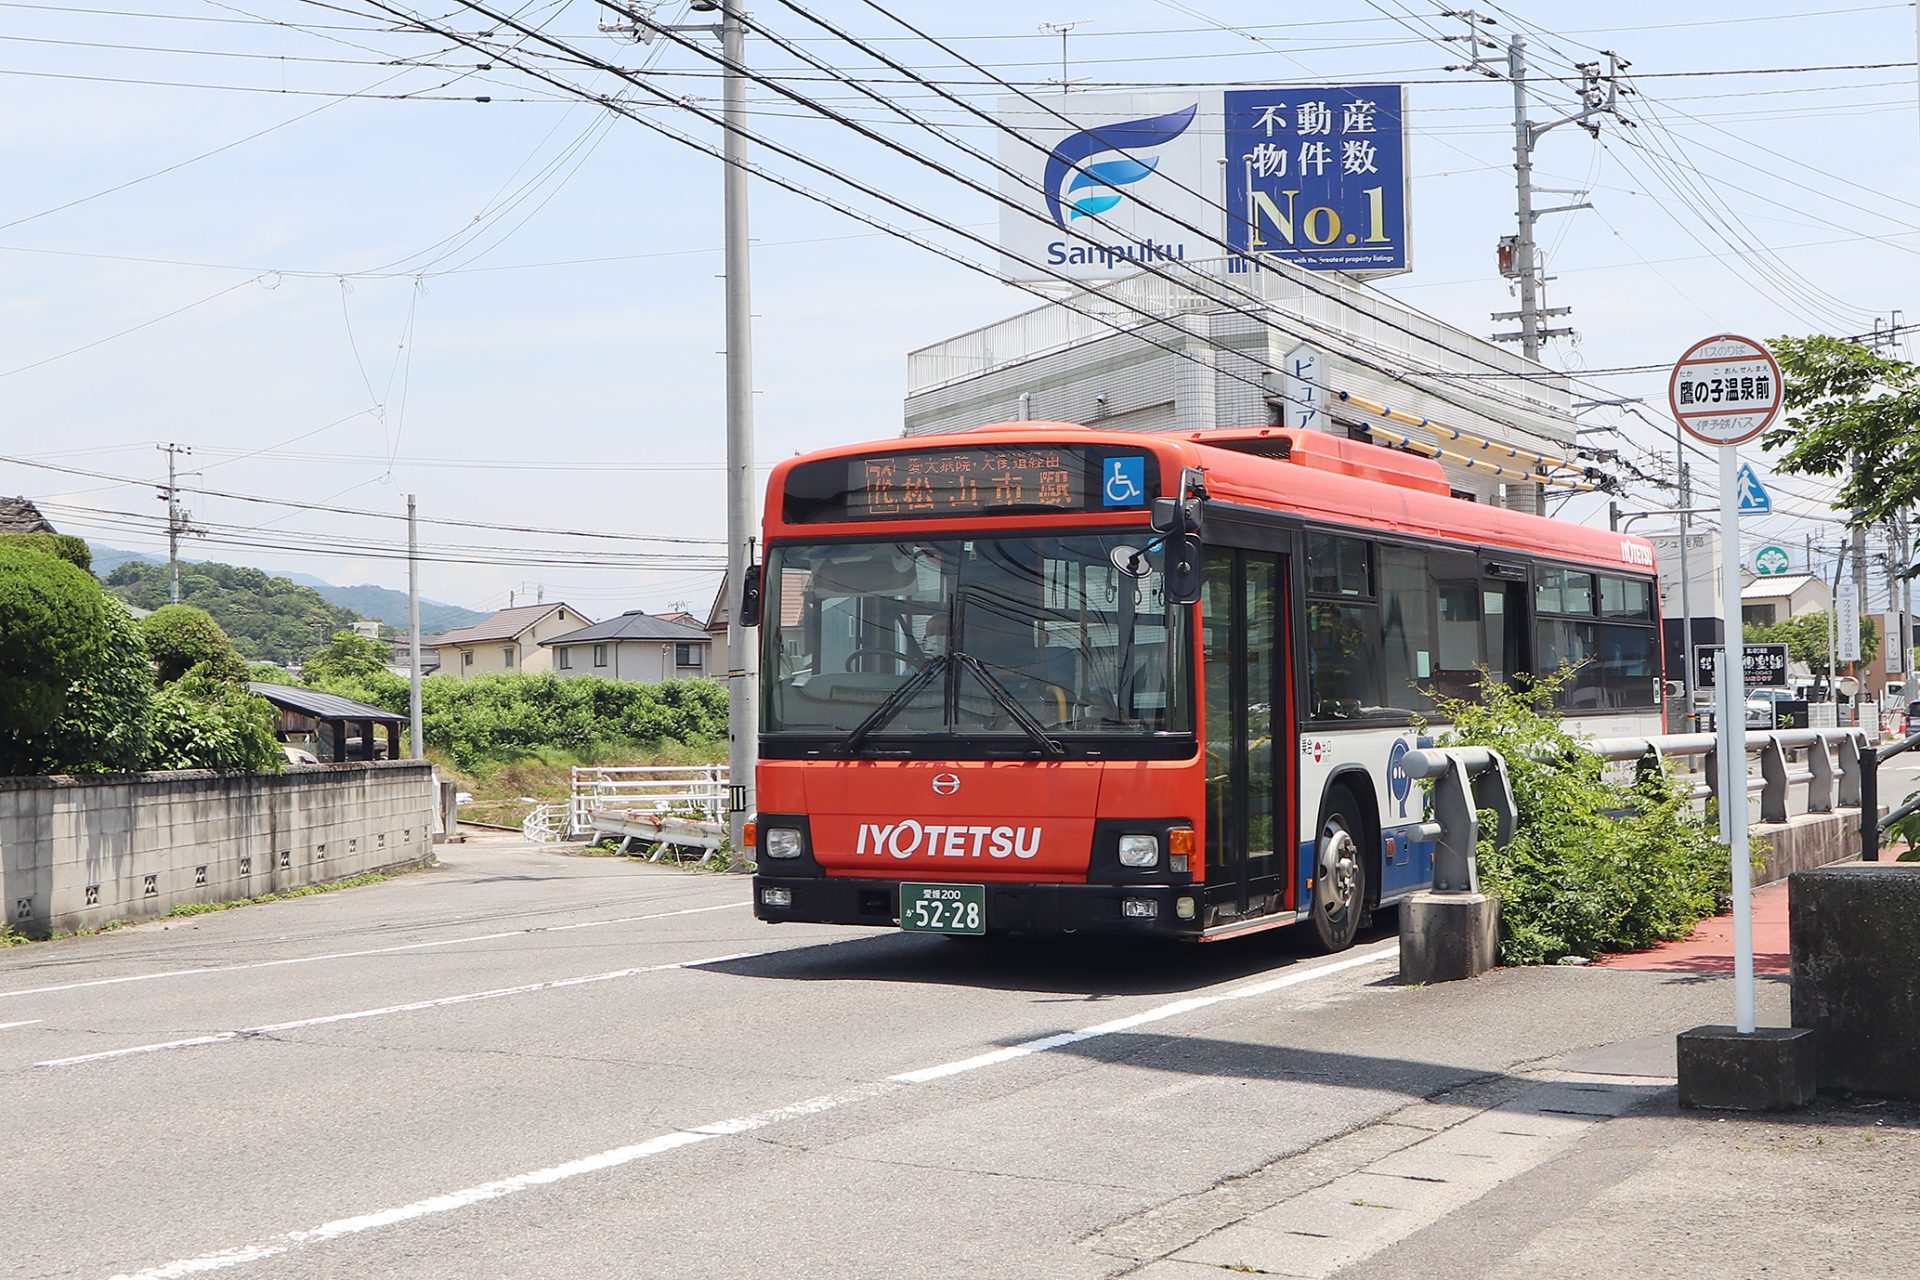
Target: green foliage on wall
x,y
202,721
53,630
180,637
1593,867
60,546
106,724
489,719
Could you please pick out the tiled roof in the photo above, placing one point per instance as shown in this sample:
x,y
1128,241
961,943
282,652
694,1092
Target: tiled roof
x,y
1778,585
507,624
17,515
633,625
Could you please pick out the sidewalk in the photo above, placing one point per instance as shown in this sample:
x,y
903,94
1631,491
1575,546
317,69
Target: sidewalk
x,y
1580,1165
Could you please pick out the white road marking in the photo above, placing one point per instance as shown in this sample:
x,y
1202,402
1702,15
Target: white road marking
x,y
8,1026
222,1259
375,951
223,1037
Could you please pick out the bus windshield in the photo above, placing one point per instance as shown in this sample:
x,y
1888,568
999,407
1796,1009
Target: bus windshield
x,y
1031,643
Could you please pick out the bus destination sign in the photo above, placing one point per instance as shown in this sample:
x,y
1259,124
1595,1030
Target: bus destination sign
x,y
994,480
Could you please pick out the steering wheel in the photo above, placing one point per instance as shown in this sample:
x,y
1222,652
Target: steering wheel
x,y
900,658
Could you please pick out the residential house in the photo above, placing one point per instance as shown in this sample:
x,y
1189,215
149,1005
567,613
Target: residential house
x,y
1775,598
509,640
17,515
637,647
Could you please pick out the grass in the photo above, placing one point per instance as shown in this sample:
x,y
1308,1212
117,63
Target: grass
x,y
500,789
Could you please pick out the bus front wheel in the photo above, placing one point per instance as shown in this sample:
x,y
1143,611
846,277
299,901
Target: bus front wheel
x,y
1339,874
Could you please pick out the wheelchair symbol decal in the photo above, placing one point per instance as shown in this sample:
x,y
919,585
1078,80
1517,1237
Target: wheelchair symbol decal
x,y
1125,482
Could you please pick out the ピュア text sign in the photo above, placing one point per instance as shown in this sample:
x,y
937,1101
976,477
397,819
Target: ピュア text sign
x,y
1725,389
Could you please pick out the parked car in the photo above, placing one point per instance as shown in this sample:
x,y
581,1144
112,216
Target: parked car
x,y
1913,716
1763,706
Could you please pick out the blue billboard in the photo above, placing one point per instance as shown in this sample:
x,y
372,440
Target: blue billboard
x,y
1318,176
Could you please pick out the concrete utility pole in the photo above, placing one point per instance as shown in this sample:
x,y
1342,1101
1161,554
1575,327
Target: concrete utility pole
x,y
413,637
743,700
176,517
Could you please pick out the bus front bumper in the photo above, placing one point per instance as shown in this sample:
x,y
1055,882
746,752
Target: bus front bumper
x,y
1147,910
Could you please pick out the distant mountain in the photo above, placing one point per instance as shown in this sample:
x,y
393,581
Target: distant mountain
x,y
390,607
366,600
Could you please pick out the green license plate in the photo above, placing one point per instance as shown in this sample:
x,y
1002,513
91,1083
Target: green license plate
x,y
943,908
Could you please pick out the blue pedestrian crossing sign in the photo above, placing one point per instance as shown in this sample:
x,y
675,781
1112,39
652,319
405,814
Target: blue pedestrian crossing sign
x,y
1752,494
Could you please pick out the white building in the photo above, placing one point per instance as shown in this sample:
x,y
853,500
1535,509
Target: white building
x,y
635,647
1326,334
509,640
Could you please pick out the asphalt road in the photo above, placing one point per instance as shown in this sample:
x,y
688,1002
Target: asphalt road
x,y
528,1064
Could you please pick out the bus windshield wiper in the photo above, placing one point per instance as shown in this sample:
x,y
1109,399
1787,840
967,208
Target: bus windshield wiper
x,y
1009,704
891,704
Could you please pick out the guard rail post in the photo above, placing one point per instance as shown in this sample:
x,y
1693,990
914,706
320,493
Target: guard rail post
x,y
1451,931
1869,803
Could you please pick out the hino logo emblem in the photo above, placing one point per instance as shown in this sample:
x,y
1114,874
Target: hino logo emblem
x,y
945,784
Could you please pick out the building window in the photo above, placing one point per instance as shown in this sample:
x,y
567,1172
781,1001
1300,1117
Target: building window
x,y
466,657
686,655
509,652
599,655
566,658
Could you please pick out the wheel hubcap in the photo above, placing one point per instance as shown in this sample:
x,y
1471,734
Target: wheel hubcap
x,y
1338,874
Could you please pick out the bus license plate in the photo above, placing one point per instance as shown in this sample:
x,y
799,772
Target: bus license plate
x,y
943,908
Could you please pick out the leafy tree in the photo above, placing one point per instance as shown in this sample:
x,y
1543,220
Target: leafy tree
x,y
268,619
106,724
74,551
1851,413
201,721
1806,639
348,656
53,629
180,636
267,673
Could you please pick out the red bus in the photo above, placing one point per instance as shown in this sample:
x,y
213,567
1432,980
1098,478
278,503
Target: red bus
x,y
1043,678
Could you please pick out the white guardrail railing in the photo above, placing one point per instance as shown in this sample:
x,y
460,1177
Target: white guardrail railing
x,y
697,792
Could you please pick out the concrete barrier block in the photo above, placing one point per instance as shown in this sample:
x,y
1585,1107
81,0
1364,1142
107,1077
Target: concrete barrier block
x,y
1445,937
1856,973
1766,1069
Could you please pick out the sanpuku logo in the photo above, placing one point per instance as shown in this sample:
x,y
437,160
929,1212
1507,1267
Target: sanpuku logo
x,y
1078,189
905,839
945,784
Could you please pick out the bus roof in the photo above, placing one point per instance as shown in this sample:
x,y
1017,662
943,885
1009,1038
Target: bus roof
x,y
1319,477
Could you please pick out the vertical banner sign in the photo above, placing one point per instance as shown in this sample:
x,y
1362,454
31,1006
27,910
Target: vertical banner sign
x,y
1318,176
1846,614
1300,390
1726,390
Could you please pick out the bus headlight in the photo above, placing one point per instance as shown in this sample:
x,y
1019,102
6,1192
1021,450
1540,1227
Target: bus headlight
x,y
780,842
1139,851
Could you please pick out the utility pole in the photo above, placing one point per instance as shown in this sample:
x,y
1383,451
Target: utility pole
x,y
413,638
1686,580
743,720
743,693
176,516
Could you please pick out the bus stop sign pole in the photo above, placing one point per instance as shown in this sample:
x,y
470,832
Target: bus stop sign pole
x,y
1725,390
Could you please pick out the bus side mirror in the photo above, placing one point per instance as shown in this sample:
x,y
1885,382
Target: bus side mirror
x,y
1182,574
1165,515
750,596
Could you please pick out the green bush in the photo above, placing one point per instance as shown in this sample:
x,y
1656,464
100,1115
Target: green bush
x,y
201,721
53,629
105,725
348,656
60,546
505,717
180,637
1593,867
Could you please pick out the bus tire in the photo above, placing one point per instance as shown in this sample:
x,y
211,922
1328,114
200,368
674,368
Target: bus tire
x,y
1340,872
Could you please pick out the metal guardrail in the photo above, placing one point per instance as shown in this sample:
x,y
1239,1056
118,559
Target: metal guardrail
x,y
1466,780
546,824
695,791
1835,769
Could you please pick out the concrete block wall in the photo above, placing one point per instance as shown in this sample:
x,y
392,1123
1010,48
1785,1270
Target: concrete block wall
x,y
76,853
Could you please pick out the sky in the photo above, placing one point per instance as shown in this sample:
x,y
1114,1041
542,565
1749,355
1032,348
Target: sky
x,y
286,236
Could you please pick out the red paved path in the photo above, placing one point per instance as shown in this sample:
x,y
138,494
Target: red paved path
x,y
1710,948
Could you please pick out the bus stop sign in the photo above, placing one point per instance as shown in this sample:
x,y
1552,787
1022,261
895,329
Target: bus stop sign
x,y
1725,389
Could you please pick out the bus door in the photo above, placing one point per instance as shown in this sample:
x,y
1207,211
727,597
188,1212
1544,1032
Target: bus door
x,y
1248,732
